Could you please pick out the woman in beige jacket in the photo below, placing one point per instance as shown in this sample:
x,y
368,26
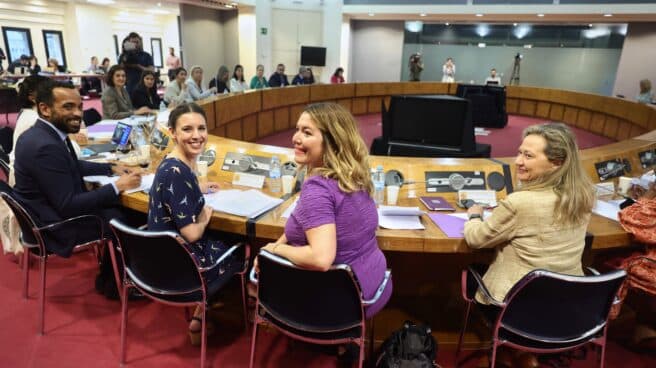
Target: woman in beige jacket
x,y
542,225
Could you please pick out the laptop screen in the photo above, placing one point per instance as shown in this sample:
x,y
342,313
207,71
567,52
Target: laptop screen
x,y
121,134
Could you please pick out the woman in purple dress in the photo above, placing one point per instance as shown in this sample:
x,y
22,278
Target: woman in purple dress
x,y
335,219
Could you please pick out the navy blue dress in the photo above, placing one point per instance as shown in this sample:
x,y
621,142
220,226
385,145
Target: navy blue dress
x,y
175,202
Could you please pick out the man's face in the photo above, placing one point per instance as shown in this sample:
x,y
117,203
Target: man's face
x,y
137,42
66,110
280,69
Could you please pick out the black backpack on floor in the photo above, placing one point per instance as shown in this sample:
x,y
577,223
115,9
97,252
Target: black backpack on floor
x,y
412,346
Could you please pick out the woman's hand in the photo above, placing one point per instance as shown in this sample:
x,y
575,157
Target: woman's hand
x,y
209,187
143,110
475,209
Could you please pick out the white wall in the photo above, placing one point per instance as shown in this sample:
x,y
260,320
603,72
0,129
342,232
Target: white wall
x,y
263,43
202,39
637,59
289,30
247,41
376,51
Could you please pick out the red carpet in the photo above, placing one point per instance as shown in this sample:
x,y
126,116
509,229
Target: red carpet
x,y
504,141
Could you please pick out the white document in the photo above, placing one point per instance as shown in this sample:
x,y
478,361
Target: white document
x,y
247,203
486,198
248,180
290,209
607,210
146,182
400,218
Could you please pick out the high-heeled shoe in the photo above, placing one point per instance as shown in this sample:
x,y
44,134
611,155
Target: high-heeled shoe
x,y
195,336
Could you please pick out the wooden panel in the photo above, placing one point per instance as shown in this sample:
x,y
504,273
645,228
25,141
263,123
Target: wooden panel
x,y
219,131
527,107
636,131
512,105
379,89
639,115
278,97
583,121
249,128
570,115
434,88
295,113
237,106
209,114
281,119
359,106
556,112
347,103
373,104
264,123
234,130
623,130
597,123
610,128
324,92
542,110
652,120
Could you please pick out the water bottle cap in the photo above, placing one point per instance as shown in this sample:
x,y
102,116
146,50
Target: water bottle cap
x,y
379,167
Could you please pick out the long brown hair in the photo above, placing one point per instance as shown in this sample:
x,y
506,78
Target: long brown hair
x,y
569,181
345,156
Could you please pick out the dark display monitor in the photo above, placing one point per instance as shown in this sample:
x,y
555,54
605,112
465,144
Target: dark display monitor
x,y
315,56
440,121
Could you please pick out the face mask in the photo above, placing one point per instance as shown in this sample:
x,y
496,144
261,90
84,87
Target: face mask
x,y
129,46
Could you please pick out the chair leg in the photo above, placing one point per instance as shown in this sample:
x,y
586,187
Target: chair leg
x,y
244,299
117,275
124,321
372,337
493,360
26,272
462,334
254,338
361,356
203,335
602,347
42,293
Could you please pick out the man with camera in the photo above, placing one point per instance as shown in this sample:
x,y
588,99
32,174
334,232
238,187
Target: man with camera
x,y
416,66
134,59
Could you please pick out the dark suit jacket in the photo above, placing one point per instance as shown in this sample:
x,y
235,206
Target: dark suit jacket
x,y
49,183
277,80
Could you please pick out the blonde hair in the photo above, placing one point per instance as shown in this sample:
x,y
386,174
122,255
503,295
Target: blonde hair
x,y
569,181
345,156
645,86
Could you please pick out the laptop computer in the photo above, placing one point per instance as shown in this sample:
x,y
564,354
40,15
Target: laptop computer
x,y
120,137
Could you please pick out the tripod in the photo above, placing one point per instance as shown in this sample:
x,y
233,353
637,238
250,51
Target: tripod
x,y
514,78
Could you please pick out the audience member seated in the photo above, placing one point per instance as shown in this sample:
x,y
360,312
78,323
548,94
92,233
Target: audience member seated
x,y
54,67
22,62
49,175
145,94
104,66
176,92
527,236
34,67
493,78
338,76
258,81
116,102
195,84
92,84
237,82
335,220
220,82
27,116
304,76
279,78
176,197
645,96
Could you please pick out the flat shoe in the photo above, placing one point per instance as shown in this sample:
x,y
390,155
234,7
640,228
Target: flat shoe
x,y
195,336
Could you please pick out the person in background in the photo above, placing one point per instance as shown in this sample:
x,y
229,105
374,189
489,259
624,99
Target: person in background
x,y
93,66
54,67
172,63
449,71
145,94
237,82
645,96
177,92
221,80
493,78
338,76
22,62
2,60
258,81
92,84
279,78
116,103
134,60
177,202
311,77
335,220
104,66
303,77
416,67
34,66
195,84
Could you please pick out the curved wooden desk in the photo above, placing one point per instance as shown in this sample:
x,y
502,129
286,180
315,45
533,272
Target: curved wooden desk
x,y
246,117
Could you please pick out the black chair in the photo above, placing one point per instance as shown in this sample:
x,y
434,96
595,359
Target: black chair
x,y
33,239
319,307
91,116
161,267
8,102
546,312
4,164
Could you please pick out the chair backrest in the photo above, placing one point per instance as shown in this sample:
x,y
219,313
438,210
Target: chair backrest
x,y
157,262
25,221
91,116
307,300
553,307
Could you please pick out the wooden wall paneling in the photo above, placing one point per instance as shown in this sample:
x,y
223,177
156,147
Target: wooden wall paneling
x,y
637,130
295,113
249,128
556,113
570,115
597,123
639,115
234,130
425,88
527,107
359,106
210,115
652,120
623,130
542,109
219,131
347,103
610,128
264,123
281,119
324,92
278,97
512,105
379,89
237,106
373,104
583,120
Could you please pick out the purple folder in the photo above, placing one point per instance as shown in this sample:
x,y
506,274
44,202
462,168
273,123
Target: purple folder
x,y
101,128
451,226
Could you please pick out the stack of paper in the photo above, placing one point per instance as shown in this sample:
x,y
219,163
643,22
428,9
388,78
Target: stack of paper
x,y
400,218
146,182
247,203
607,209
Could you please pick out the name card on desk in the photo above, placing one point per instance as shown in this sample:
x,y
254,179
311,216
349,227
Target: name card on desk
x,y
248,180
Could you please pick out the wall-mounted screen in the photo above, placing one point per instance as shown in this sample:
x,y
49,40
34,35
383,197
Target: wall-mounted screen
x,y
54,42
313,56
18,41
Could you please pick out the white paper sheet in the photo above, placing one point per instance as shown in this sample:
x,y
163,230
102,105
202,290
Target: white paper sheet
x,y
247,203
290,209
146,182
607,210
400,218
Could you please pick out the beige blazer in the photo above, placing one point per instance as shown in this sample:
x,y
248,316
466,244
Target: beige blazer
x,y
116,105
521,229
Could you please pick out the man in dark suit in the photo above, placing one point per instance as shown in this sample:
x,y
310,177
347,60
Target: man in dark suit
x,y
279,78
49,175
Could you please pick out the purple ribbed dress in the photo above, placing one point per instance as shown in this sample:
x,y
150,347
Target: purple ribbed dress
x,y
355,218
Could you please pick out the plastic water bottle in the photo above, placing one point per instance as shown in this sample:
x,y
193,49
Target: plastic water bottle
x,y
379,185
275,182
162,106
